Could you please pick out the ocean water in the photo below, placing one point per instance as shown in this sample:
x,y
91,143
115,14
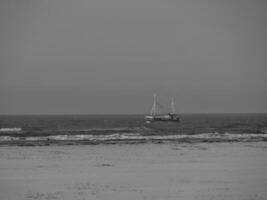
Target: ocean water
x,y
23,128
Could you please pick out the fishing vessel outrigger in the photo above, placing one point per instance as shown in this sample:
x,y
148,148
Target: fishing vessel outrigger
x,y
155,116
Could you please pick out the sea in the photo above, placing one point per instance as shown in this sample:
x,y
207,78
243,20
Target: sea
x,y
110,129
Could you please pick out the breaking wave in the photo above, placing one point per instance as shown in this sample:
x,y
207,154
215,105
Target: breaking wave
x,y
15,129
136,137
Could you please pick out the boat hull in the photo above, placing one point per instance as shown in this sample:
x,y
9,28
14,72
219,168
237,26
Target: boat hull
x,y
164,118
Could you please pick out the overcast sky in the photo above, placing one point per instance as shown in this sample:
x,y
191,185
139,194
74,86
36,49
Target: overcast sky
x,y
110,56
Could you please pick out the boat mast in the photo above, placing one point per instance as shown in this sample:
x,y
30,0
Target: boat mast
x,y
154,107
172,106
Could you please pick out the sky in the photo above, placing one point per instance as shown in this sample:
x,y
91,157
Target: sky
x,y
110,56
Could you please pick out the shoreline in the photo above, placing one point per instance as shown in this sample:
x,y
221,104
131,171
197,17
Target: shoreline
x,y
129,139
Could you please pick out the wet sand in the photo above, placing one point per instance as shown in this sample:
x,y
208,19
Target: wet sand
x,y
171,170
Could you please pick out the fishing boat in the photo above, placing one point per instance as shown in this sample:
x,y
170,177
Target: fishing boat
x,y
155,115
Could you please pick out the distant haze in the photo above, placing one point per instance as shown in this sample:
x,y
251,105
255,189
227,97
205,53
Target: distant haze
x,y
110,56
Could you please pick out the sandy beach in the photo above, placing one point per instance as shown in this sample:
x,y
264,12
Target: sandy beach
x,y
135,171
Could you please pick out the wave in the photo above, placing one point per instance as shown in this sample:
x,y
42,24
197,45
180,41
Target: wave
x,y
15,129
136,137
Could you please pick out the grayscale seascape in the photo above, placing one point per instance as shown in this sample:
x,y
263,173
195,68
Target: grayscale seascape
x,y
133,100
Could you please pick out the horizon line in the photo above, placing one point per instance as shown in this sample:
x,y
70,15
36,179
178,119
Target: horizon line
x,y
182,113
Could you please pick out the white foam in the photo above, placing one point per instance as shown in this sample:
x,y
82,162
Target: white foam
x,y
8,138
15,129
136,136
